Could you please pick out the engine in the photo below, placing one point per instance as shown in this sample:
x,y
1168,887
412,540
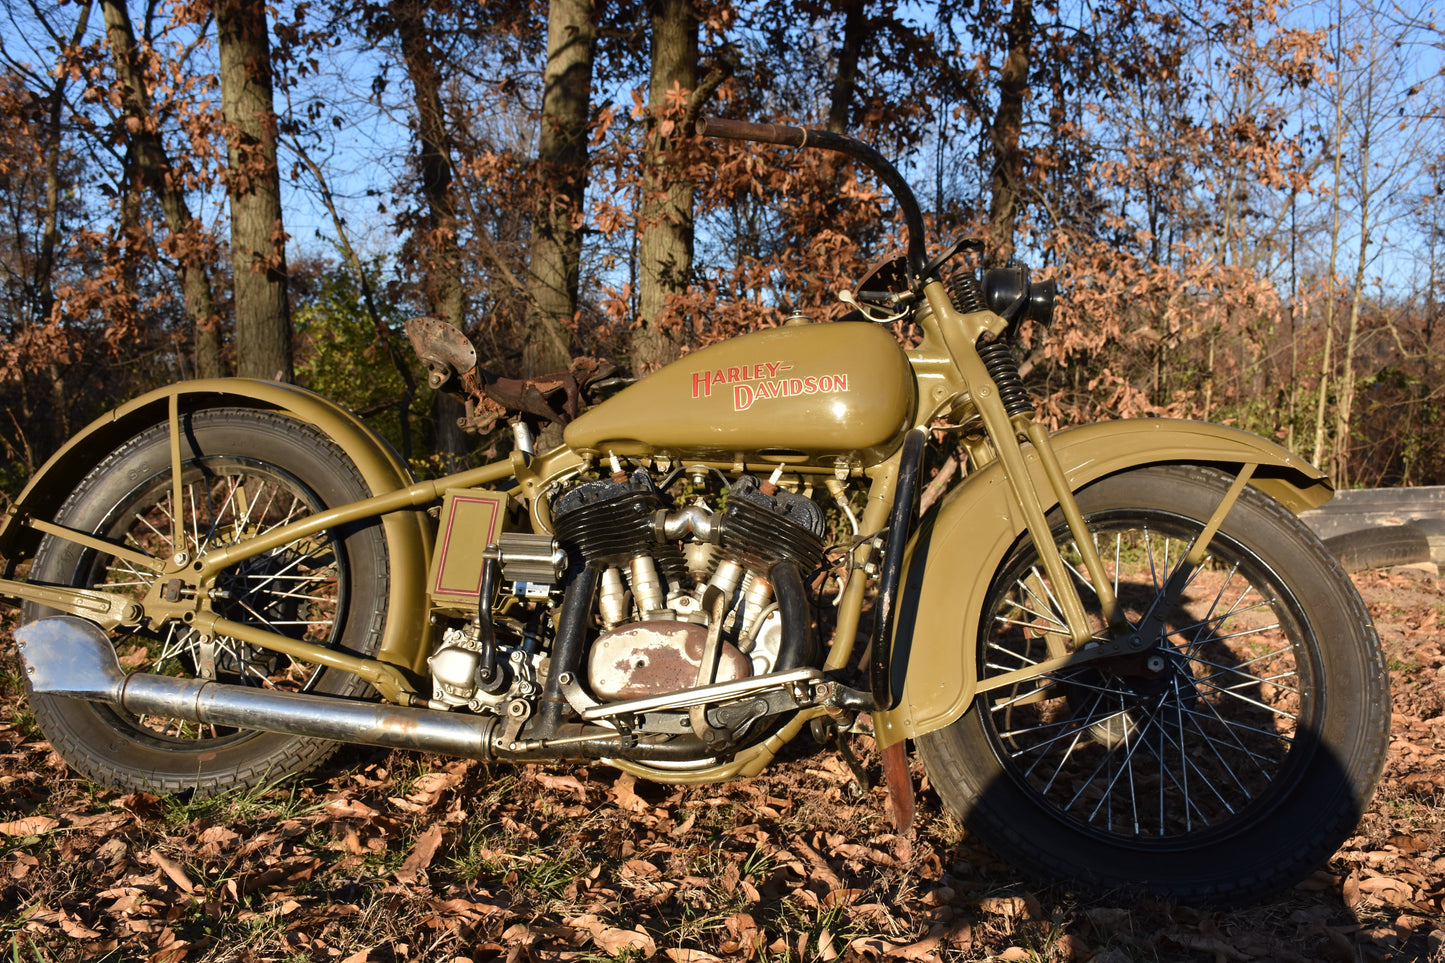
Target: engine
x,y
670,574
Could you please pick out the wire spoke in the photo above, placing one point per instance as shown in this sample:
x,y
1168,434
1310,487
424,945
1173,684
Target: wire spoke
x,y
293,590
1180,739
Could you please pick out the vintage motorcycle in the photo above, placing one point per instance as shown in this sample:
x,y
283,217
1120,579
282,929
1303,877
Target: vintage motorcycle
x,y
1121,657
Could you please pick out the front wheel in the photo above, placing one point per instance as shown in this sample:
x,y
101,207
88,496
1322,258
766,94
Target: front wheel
x,y
1222,763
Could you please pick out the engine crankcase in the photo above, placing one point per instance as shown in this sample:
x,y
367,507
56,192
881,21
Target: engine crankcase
x,y
656,657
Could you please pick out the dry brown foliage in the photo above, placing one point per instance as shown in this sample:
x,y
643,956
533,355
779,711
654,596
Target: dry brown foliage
x,y
396,857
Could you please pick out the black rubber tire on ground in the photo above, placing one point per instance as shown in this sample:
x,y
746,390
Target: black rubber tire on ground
x,y
1222,765
244,471
1379,546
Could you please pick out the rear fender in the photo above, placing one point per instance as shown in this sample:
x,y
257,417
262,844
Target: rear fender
x,y
954,555
407,535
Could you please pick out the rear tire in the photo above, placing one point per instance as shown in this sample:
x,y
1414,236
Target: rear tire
x,y
244,472
1225,762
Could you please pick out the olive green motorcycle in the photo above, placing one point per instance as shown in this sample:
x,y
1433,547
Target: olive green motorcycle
x,y
1121,657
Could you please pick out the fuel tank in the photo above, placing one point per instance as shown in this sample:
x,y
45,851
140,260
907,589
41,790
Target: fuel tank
x,y
814,393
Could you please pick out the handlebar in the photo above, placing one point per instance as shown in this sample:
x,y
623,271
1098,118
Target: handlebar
x,y
785,136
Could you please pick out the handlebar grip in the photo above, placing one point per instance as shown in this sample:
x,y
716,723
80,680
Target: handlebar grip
x,y
746,130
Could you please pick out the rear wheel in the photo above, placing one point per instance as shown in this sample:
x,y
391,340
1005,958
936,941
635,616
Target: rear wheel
x,y
244,472
1220,764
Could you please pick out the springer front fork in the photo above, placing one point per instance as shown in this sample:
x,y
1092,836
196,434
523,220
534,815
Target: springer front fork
x,y
1031,466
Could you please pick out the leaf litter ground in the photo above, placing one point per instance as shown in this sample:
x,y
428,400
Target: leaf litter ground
x,y
383,857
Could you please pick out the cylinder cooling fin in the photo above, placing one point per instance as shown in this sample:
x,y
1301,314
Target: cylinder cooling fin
x,y
762,528
608,521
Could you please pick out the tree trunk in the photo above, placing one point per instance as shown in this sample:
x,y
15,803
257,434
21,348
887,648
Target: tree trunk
x,y
850,50
665,223
1344,409
442,282
187,242
441,244
1319,453
253,185
42,294
554,269
1006,135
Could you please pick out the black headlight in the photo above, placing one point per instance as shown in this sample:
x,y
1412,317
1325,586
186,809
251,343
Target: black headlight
x,y
1011,294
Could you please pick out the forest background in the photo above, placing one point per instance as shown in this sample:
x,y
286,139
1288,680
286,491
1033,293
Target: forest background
x,y
1240,199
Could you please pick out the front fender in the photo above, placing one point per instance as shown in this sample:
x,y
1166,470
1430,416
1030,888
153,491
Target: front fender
x,y
408,540
953,557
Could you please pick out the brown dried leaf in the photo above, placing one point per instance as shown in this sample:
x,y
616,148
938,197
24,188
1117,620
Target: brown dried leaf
x,y
842,897
568,784
28,826
1387,889
100,823
612,939
639,868
678,955
174,871
615,941
217,839
744,931
42,915
872,948
350,809
432,784
623,794
143,804
821,870
1006,906
173,953
421,855
1351,890
826,950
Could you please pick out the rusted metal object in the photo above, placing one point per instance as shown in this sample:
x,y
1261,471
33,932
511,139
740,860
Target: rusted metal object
x,y
656,657
452,366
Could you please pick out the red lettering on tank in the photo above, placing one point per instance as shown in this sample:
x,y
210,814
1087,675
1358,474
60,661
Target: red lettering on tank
x,y
746,396
760,381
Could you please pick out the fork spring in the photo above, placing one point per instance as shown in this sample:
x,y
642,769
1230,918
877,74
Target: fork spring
x,y
1003,367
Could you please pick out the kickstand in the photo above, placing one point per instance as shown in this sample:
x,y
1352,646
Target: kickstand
x,y
826,731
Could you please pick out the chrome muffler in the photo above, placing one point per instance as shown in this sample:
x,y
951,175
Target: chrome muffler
x,y
70,657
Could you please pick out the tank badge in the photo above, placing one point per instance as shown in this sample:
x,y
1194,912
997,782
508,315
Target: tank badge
x,y
751,383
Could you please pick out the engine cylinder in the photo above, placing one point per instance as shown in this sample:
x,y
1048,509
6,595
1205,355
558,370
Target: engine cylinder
x,y
761,529
608,521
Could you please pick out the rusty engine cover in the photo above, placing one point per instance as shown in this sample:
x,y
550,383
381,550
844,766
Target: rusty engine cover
x,y
657,657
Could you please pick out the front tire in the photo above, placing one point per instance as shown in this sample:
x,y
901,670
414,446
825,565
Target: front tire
x,y
1220,765
243,472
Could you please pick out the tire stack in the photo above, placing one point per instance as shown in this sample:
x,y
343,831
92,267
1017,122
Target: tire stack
x,y
1383,527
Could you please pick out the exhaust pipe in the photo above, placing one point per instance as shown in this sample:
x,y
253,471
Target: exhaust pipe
x,y
70,657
